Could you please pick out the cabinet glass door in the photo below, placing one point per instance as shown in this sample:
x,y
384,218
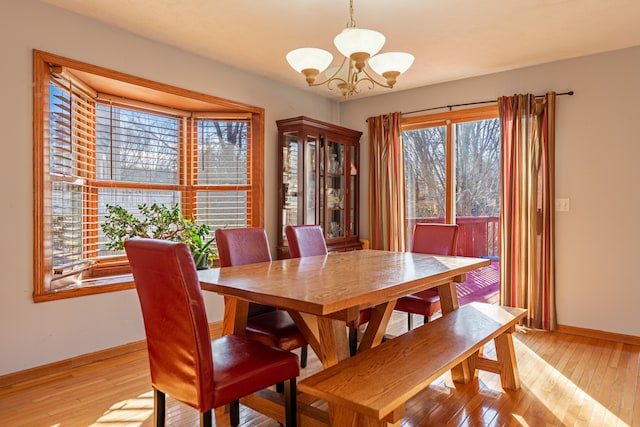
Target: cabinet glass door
x,y
310,184
290,155
353,191
335,190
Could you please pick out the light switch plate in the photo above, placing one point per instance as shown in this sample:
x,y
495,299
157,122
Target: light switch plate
x,y
563,205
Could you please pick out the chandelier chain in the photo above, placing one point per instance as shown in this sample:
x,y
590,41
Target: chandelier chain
x,y
352,22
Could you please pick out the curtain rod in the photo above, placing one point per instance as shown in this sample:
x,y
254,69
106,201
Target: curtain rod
x,y
570,93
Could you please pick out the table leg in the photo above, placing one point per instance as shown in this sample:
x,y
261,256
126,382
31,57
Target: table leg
x,y
327,337
448,297
236,312
334,343
377,326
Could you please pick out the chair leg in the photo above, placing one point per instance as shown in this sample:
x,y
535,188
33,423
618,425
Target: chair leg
x,y
426,319
206,418
159,406
353,340
280,387
304,351
410,321
234,413
290,405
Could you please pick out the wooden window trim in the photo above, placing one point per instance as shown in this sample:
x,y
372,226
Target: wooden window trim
x,y
141,93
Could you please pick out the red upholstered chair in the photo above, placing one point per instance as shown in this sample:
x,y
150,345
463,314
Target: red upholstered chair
x,y
305,240
436,239
308,240
239,246
184,362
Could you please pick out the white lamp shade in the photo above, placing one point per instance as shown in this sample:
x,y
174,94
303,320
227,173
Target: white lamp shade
x,y
309,58
391,61
352,40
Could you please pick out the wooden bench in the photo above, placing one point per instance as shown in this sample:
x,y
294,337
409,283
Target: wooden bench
x,y
376,383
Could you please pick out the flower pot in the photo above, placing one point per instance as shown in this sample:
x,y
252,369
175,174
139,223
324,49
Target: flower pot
x,y
201,261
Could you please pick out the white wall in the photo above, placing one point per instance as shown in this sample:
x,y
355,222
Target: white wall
x,y
36,334
597,168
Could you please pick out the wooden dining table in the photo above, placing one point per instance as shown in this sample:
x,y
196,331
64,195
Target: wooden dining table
x,y
323,293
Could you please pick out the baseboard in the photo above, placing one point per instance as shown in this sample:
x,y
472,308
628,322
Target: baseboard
x,y
62,367
592,333
215,329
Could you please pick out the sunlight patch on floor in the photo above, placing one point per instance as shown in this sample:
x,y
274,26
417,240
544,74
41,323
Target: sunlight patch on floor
x,y
560,394
130,412
521,420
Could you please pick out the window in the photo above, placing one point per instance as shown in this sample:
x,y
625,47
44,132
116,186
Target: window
x,y
452,175
105,138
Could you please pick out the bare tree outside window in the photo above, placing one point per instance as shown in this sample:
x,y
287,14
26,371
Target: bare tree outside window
x,y
476,176
425,172
222,161
478,168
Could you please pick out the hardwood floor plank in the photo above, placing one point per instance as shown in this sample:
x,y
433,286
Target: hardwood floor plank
x,y
627,371
566,381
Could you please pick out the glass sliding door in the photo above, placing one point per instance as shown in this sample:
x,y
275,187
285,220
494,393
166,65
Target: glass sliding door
x,y
477,187
425,176
452,175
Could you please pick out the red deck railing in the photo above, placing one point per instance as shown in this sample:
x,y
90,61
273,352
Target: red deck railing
x,y
477,235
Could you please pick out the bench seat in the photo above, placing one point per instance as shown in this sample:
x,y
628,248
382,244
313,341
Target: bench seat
x,y
377,382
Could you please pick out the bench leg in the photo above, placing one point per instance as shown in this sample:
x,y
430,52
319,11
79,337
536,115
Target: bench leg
x,y
506,355
465,371
343,417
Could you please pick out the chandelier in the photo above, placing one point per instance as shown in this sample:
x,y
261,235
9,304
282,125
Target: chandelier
x,y
359,47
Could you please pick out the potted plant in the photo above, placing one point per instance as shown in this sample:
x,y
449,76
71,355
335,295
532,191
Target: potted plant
x,y
195,236
159,222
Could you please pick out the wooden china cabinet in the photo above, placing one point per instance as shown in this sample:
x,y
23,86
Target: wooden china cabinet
x,y
318,177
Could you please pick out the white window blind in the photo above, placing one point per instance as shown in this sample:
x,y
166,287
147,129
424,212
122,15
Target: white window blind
x,y
136,146
224,160
72,142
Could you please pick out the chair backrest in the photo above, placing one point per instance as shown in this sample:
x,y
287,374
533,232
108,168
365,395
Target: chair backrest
x,y
239,246
305,240
175,320
437,239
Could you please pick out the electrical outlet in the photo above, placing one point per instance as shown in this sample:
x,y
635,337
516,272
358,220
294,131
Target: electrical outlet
x,y
563,205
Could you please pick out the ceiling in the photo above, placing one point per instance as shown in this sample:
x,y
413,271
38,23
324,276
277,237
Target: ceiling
x,y
451,39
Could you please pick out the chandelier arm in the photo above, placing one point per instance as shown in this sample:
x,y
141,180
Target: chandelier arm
x,y
333,76
374,81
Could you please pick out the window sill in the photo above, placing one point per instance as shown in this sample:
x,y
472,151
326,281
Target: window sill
x,y
91,286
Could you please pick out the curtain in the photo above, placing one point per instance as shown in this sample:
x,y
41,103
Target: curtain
x,y
527,253
386,183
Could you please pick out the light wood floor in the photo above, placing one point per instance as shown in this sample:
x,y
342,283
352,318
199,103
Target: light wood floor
x,y
567,381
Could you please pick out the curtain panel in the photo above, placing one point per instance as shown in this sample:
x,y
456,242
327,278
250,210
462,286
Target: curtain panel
x,y
386,183
527,247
